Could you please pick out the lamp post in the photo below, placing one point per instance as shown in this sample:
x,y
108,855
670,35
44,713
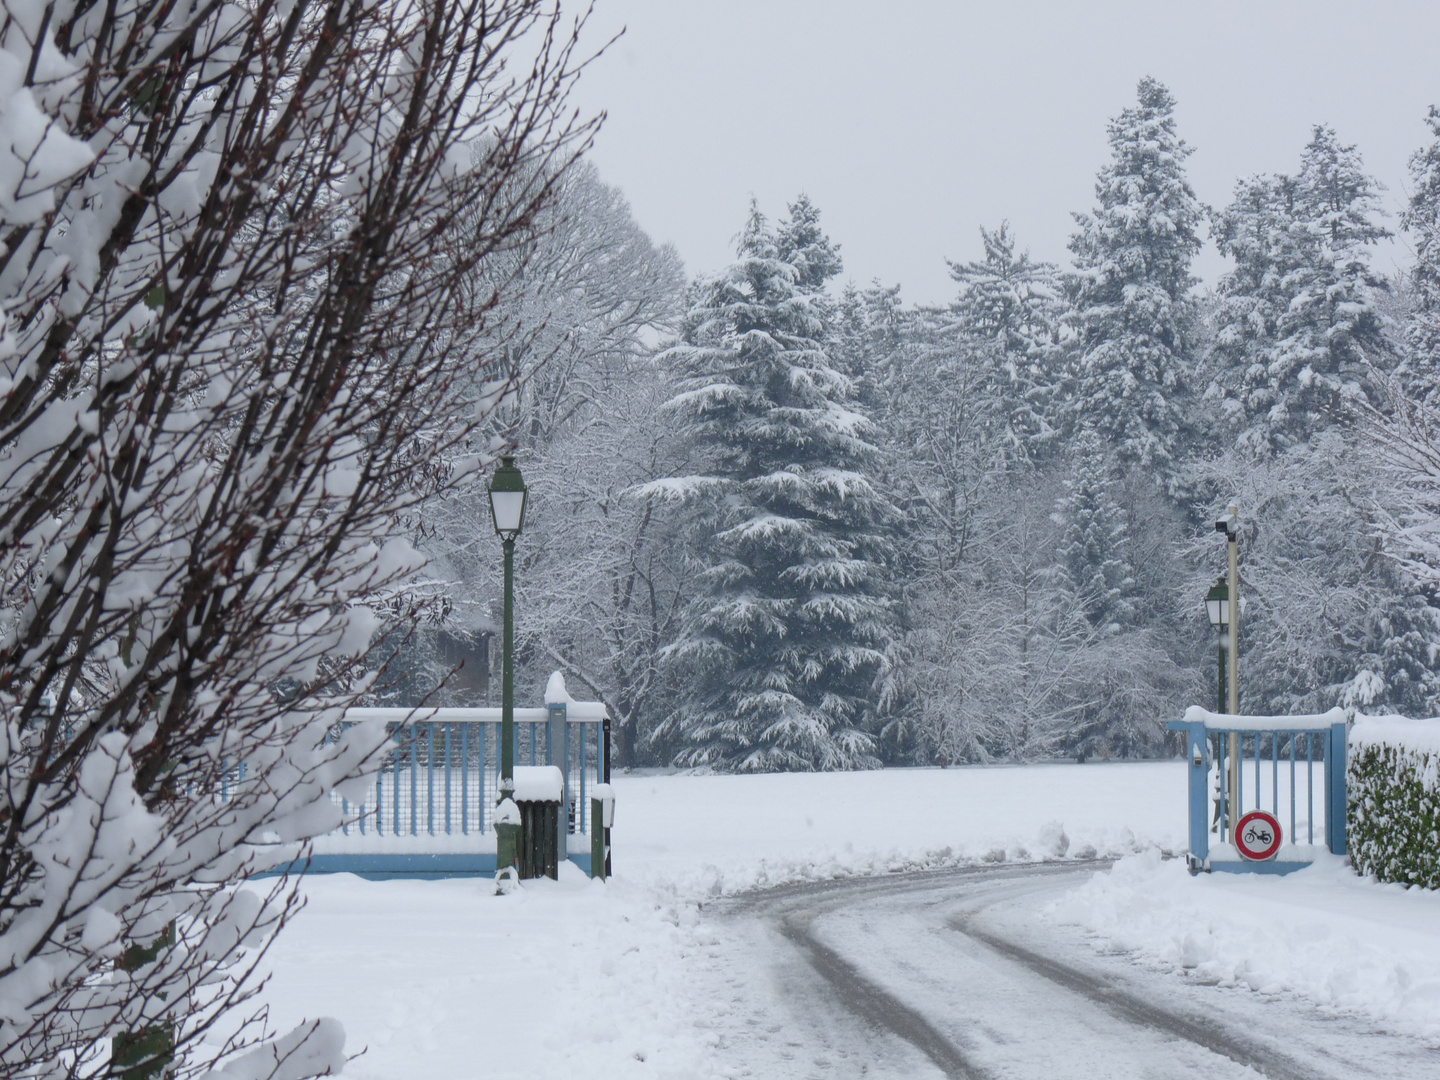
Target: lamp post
x,y
1230,526
507,510
1217,608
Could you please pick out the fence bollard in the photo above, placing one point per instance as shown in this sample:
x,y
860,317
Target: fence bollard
x,y
507,845
602,814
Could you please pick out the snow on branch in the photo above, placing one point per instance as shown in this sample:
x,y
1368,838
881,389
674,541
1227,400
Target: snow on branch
x,y
238,298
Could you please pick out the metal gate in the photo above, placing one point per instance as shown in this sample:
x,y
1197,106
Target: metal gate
x,y
1266,763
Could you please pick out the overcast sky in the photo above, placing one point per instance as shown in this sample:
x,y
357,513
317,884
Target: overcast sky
x,y
910,124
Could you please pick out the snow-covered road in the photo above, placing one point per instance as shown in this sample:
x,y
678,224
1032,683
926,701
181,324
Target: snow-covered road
x,y
780,926
961,973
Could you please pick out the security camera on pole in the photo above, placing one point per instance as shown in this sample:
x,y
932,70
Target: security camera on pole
x,y
1230,526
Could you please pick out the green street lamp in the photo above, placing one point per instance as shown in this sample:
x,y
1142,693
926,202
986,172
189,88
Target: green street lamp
x,y
507,510
1217,608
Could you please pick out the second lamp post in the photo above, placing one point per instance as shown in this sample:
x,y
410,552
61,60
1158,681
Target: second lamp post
x,y
1230,619
507,509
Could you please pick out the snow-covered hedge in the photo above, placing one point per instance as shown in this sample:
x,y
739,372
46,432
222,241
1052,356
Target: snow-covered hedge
x,y
1393,829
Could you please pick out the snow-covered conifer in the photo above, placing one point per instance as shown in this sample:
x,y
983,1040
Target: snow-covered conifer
x,y
1421,220
1298,323
784,642
1132,311
801,242
1095,546
1012,306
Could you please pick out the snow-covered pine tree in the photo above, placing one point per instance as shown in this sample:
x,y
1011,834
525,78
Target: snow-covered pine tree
x,y
801,242
1095,547
871,340
1254,231
1132,279
1330,329
784,643
1011,305
1298,317
1422,220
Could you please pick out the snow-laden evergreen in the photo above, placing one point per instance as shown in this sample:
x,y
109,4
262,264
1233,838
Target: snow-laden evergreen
x,y
787,635
1014,306
1421,220
1095,549
1298,321
1132,311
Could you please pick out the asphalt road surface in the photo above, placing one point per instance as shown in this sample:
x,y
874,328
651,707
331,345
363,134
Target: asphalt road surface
x,y
960,974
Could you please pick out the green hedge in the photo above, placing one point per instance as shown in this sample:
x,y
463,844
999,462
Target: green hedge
x,y
1393,819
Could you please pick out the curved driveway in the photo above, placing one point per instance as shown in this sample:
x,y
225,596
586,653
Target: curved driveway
x,y
959,974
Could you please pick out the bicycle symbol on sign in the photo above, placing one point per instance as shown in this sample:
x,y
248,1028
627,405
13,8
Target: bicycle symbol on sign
x,y
1257,835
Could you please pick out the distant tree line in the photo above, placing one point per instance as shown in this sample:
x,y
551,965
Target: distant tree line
x,y
783,525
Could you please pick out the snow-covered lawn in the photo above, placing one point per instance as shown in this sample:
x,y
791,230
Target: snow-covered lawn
x,y
444,979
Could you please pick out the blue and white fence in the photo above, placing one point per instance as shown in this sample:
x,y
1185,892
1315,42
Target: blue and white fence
x,y
1292,767
429,811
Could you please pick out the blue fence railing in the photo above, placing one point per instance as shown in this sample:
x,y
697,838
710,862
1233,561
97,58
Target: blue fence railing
x,y
429,811
442,775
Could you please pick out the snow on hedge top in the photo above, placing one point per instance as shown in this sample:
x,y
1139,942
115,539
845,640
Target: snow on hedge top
x,y
1225,722
1398,731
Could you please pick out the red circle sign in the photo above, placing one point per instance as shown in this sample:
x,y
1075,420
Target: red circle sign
x,y
1257,836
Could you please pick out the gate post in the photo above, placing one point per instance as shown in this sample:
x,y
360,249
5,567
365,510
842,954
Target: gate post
x,y
1198,753
555,740
1335,795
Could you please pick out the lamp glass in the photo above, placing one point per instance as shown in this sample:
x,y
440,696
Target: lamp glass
x,y
1217,605
508,509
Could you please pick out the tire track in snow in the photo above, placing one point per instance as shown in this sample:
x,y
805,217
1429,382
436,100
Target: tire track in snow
x,y
795,907
868,1001
1133,1009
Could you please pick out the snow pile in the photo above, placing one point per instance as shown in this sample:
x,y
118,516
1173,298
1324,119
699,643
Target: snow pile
x,y
555,692
706,836
539,783
1322,933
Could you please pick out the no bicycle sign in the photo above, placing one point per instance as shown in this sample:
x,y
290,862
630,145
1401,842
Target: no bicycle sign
x,y
1257,836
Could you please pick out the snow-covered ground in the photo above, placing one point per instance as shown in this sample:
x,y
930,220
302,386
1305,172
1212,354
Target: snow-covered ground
x,y
635,978
1323,934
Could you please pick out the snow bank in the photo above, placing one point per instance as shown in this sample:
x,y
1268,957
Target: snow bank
x,y
705,836
1322,933
445,980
